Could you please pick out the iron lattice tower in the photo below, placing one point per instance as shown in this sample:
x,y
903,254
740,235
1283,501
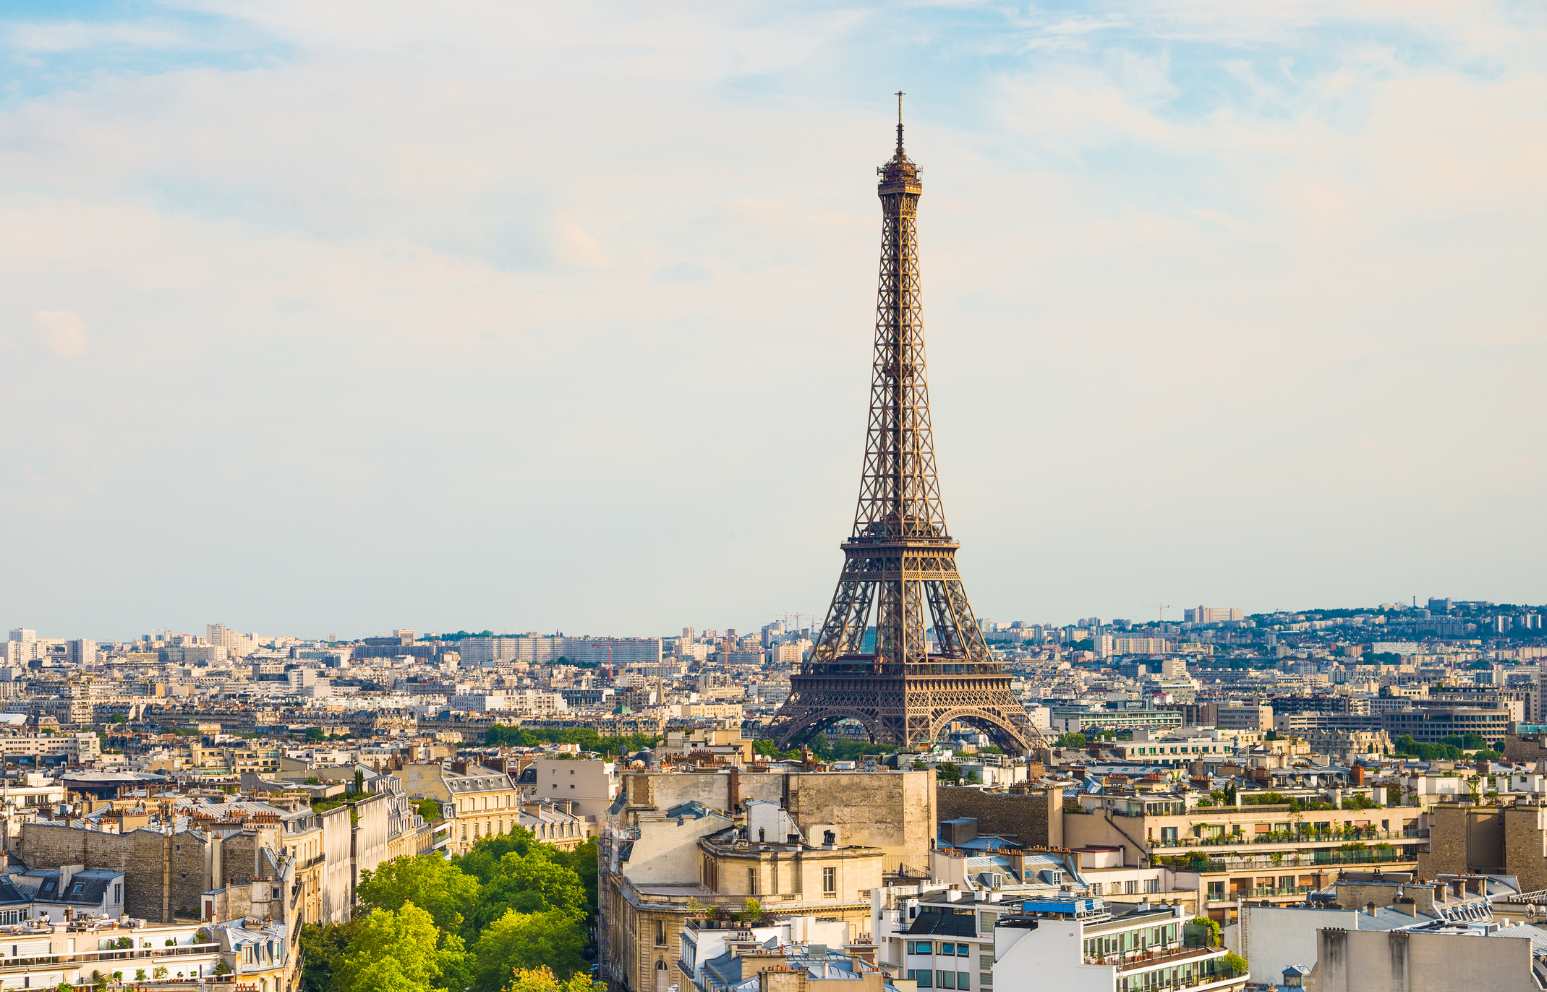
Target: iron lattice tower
x,y
900,561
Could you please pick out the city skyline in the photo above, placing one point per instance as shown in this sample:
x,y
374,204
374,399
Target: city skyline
x,y
317,321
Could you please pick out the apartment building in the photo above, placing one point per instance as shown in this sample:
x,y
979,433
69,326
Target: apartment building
x,y
477,802
1079,945
1226,854
687,863
587,784
1177,748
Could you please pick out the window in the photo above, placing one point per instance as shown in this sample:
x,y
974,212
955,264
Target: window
x,y
923,976
963,951
829,881
660,933
945,979
752,881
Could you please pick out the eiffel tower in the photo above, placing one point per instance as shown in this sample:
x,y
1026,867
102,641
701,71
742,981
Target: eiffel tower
x,y
900,561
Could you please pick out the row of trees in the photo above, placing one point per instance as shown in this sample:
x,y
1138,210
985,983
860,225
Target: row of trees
x,y
510,915
589,738
1457,748
822,746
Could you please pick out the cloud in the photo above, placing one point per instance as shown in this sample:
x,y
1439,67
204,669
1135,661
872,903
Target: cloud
x,y
62,332
1214,310
59,37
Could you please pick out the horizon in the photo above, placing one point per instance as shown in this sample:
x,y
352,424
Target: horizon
x,y
342,319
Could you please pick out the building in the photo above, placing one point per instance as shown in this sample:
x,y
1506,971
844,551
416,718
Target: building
x,y
1212,614
216,956
679,845
1244,716
476,802
586,784
1081,944
717,956
1177,747
1437,722
1272,852
1465,838
1435,957
1276,939
75,749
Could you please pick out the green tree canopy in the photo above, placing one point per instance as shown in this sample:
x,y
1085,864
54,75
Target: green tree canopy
x,y
435,885
525,940
529,883
483,858
400,951
544,980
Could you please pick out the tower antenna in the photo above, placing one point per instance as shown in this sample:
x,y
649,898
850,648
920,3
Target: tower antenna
x,y
899,122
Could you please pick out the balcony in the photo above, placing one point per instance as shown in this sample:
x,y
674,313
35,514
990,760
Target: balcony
x,y
1320,857
30,961
1149,957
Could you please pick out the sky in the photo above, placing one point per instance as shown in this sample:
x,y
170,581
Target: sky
x,y
334,318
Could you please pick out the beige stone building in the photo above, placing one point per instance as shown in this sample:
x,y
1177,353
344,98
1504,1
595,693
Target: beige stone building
x,y
1443,959
689,845
893,811
216,958
1512,840
1267,852
476,802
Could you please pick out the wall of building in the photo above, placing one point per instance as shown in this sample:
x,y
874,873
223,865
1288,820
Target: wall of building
x,y
1273,938
1358,961
1034,817
1525,845
337,880
1463,839
892,811
163,880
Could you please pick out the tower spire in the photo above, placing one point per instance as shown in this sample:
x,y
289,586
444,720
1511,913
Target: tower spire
x,y
899,123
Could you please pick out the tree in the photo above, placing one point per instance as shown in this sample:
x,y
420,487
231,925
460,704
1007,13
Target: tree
x,y
1233,965
1073,739
525,940
483,859
528,883
399,951
544,980
751,911
437,886
1202,932
322,950
948,772
582,859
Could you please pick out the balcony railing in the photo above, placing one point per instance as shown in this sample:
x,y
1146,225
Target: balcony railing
x,y
1318,858
1297,837
1130,960
22,961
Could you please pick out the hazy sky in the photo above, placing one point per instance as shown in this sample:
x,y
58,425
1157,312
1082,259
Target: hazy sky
x,y
339,316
